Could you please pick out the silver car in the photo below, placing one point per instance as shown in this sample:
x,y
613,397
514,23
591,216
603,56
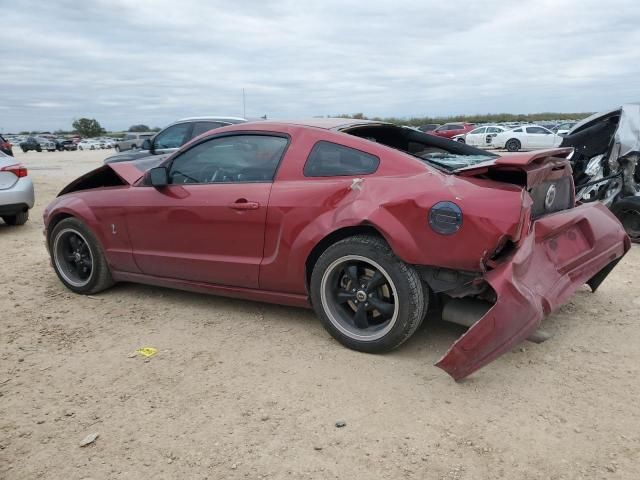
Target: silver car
x,y
132,141
16,191
173,136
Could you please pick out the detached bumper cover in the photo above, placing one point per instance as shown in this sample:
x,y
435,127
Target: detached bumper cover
x,y
562,252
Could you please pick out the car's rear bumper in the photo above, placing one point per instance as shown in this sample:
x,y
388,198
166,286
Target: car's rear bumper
x,y
21,193
562,252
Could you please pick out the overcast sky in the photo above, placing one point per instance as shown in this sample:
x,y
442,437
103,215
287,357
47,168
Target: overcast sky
x,y
127,62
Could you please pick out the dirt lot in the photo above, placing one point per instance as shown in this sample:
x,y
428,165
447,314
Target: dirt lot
x,y
247,390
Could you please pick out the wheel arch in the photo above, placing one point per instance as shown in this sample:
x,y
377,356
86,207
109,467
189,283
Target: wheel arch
x,y
55,220
334,237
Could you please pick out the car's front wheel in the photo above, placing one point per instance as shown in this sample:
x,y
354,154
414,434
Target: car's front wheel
x,y
461,140
366,297
17,219
78,258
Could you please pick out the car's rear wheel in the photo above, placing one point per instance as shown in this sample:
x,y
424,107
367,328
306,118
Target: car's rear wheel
x,y
17,219
78,258
117,148
513,145
366,297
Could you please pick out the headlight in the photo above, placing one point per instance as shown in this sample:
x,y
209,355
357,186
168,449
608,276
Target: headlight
x,y
445,218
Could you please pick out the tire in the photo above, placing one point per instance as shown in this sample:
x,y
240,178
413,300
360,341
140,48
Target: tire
x,y
80,264
513,145
117,148
338,293
134,147
628,212
461,140
17,219
24,150
38,149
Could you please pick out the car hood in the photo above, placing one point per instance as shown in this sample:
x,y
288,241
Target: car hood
x,y
128,173
131,171
127,156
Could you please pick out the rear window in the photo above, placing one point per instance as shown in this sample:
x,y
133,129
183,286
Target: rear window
x,y
332,160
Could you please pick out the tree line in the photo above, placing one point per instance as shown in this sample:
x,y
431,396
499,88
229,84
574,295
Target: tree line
x,y
477,118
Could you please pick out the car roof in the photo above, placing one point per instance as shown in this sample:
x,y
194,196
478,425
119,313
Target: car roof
x,y
325,123
222,119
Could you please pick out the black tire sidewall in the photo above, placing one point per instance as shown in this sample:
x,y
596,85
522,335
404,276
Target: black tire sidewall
x,y
625,204
513,142
411,296
100,276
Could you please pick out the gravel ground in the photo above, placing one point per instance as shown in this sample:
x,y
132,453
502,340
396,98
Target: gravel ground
x,y
248,390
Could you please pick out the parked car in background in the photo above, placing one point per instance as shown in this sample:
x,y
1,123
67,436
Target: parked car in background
x,y
526,137
5,146
335,214
449,130
38,144
480,137
106,142
16,191
548,125
564,128
65,144
89,144
172,137
428,127
132,141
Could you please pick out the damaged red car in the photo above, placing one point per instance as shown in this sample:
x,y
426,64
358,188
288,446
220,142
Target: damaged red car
x,y
367,223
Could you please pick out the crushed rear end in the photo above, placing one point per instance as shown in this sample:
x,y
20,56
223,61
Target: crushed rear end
x,y
561,248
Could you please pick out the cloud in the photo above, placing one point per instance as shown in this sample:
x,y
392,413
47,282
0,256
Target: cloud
x,y
126,62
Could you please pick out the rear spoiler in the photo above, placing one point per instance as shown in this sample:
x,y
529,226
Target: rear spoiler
x,y
521,159
527,168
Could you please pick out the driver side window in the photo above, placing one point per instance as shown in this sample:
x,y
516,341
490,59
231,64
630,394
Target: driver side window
x,y
238,158
173,137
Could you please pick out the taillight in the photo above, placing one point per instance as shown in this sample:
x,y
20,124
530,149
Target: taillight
x,y
18,170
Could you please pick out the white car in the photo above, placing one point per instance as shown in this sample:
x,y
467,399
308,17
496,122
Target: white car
x,y
564,128
527,137
481,137
89,145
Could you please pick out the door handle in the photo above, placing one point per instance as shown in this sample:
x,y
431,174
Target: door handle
x,y
243,204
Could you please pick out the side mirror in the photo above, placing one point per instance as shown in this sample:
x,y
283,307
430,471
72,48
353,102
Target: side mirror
x,y
158,177
146,145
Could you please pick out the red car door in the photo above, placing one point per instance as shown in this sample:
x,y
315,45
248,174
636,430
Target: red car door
x,y
208,224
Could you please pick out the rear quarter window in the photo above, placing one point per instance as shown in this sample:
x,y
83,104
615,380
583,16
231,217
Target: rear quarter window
x,y
328,159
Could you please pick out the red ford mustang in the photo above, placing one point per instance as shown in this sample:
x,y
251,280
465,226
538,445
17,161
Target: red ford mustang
x,y
368,223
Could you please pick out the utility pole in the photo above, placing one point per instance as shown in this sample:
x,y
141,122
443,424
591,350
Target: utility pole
x,y
244,105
